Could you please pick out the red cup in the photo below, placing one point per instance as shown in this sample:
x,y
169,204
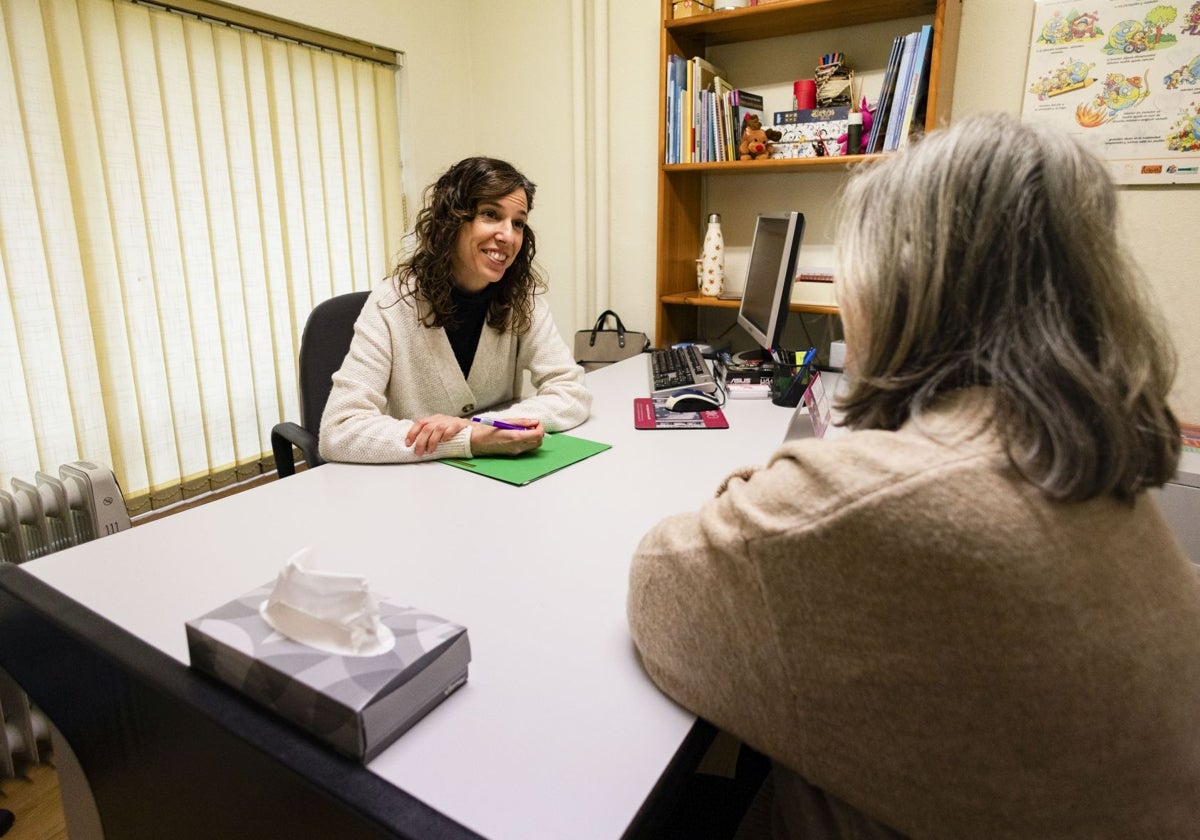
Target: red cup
x,y
805,91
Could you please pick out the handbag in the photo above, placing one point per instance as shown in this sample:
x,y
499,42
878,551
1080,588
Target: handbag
x,y
602,346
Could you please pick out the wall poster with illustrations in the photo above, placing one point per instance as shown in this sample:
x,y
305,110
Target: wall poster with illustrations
x,y
1123,76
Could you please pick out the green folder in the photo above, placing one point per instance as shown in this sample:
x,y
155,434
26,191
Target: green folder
x,y
556,452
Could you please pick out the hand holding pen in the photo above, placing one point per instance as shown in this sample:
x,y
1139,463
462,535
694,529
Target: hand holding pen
x,y
510,436
501,424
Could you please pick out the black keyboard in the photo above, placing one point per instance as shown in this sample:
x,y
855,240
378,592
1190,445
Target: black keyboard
x,y
677,369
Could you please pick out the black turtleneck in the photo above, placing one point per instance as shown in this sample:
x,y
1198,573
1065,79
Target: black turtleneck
x,y
470,313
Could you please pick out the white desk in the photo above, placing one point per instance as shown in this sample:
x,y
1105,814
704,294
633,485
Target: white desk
x,y
558,732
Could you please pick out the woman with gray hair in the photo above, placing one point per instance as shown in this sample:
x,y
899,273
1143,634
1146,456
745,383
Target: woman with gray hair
x,y
965,618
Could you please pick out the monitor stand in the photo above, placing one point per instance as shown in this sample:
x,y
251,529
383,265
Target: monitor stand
x,y
753,358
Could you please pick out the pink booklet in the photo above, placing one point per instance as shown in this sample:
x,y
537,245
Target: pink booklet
x,y
652,413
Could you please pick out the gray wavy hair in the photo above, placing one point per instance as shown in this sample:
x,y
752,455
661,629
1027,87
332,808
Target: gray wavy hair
x,y
988,254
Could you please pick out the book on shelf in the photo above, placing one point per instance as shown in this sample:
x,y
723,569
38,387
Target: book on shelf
x,y
742,103
801,131
702,73
671,138
677,111
900,97
918,90
731,137
886,92
720,108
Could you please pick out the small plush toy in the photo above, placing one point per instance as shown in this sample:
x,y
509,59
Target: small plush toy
x,y
756,141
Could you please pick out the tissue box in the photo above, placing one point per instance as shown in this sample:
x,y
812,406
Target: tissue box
x,y
356,704
801,128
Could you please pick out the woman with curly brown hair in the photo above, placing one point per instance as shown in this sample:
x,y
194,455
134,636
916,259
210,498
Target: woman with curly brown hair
x,y
451,333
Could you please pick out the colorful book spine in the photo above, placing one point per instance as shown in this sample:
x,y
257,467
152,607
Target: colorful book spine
x,y
886,92
742,104
914,110
900,99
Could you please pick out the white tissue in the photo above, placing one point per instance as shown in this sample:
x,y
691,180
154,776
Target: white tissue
x,y
330,611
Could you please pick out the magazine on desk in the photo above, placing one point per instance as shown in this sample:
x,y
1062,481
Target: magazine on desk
x,y
652,413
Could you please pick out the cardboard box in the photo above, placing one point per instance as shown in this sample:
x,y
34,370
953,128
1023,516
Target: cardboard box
x,y
802,129
356,704
689,8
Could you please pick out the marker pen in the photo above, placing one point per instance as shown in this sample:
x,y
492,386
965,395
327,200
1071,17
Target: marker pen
x,y
499,424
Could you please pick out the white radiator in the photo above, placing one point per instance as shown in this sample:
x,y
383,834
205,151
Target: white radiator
x,y
37,518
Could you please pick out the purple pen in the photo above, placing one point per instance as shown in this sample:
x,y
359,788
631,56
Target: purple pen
x,y
499,424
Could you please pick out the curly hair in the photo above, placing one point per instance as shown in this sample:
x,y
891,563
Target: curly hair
x,y
426,275
988,254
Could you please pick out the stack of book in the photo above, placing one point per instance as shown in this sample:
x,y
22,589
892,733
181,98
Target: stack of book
x,y
900,110
704,112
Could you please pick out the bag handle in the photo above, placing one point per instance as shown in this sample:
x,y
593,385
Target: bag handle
x,y
600,324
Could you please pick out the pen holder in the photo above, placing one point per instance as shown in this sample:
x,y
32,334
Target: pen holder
x,y
788,384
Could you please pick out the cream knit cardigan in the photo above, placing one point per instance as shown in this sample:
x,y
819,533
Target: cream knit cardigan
x,y
398,370
904,621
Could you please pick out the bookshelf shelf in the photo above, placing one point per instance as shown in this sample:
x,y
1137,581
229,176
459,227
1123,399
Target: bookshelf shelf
x,y
682,186
792,17
742,167
697,299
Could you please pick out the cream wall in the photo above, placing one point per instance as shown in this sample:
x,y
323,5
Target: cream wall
x,y
568,89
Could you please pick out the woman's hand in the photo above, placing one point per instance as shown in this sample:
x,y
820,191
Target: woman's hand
x,y
427,432
488,440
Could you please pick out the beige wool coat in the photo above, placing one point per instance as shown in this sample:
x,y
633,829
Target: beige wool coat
x,y
902,620
398,370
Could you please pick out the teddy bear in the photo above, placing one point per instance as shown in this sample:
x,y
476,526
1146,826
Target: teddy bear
x,y
756,141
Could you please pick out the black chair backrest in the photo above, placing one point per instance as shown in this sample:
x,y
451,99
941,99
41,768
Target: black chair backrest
x,y
323,347
169,752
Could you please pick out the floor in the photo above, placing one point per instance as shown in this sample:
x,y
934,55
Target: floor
x,y
34,799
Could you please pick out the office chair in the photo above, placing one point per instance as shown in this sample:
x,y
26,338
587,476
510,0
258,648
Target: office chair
x,y
323,345
165,751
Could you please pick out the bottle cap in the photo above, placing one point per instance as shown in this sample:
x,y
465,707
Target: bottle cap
x,y
714,217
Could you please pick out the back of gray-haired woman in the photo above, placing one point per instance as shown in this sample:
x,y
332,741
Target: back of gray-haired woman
x,y
965,617
1006,269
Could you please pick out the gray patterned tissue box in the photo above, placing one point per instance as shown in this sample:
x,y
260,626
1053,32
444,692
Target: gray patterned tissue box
x,y
356,704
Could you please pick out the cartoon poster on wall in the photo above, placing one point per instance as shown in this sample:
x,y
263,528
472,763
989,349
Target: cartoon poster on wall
x,y
1123,76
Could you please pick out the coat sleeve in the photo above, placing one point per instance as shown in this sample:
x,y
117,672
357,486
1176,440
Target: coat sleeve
x,y
562,400
699,619
356,426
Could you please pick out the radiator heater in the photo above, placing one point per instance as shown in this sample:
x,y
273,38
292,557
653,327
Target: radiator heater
x,y
50,513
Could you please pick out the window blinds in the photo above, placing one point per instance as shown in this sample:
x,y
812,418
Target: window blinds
x,y
178,194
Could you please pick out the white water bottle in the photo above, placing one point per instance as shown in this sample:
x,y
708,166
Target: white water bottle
x,y
712,271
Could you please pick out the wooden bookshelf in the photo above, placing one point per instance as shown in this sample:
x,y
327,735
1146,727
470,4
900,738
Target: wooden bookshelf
x,y
681,185
697,299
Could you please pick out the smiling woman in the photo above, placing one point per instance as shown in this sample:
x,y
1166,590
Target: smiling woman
x,y
452,331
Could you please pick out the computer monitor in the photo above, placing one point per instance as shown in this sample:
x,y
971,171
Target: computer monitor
x,y
769,275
